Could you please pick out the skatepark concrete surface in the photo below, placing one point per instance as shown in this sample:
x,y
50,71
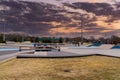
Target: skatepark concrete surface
x,y
97,51
73,51
66,51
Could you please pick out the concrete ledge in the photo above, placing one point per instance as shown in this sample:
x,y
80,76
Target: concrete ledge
x,y
59,56
67,56
108,55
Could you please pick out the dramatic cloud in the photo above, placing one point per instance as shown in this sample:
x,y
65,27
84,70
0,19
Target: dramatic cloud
x,y
61,17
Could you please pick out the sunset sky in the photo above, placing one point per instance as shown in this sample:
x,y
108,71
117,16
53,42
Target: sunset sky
x,y
99,19
106,28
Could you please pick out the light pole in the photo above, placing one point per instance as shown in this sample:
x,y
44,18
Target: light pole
x,y
56,33
4,36
23,38
81,34
81,30
83,22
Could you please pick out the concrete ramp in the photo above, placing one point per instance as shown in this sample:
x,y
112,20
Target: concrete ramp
x,y
106,46
116,47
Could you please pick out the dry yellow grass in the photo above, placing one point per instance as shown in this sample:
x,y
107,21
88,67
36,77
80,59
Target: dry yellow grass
x,y
83,68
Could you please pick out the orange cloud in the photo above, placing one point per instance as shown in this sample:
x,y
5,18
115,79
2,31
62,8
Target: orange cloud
x,y
114,25
94,1
65,30
110,26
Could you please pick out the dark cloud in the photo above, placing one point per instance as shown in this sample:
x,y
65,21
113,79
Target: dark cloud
x,y
34,18
99,9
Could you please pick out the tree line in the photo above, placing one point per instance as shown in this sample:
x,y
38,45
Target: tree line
x,y
21,38
33,39
18,38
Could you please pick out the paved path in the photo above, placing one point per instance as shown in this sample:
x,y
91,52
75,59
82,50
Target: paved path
x,y
4,55
8,51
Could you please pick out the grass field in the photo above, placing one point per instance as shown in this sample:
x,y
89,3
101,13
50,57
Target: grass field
x,y
83,68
